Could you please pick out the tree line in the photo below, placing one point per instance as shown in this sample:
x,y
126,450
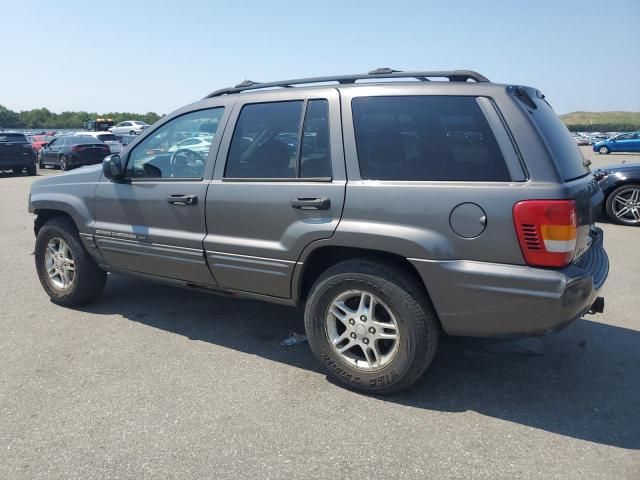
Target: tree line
x,y
605,127
42,118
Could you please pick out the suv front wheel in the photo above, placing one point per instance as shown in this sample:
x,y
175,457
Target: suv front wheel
x,y
66,270
370,323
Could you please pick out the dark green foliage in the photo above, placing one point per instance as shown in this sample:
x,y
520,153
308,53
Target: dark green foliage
x,y
41,118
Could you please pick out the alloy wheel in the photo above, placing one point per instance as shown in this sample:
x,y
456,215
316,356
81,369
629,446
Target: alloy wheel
x,y
59,263
626,205
362,330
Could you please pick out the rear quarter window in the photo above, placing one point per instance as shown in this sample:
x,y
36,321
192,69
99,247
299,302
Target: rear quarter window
x,y
426,138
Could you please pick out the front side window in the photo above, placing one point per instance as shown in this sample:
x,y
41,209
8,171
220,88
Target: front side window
x,y
170,152
426,138
269,143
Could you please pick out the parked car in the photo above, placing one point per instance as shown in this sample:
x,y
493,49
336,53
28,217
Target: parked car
x,y
106,137
38,141
581,141
130,127
126,139
196,144
625,142
70,151
621,187
385,228
16,153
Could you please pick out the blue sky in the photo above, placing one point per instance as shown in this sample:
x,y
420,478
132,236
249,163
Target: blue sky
x,y
141,55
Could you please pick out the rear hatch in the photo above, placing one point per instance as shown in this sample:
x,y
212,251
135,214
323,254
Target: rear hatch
x,y
14,146
572,167
111,140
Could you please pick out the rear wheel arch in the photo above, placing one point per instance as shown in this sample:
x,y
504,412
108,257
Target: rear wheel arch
x,y
325,257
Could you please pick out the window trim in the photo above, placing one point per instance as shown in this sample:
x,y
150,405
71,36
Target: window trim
x,y
297,179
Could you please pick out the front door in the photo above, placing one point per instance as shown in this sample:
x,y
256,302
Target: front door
x,y
154,221
279,184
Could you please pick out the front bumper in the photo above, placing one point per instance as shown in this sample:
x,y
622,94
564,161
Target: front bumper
x,y
488,299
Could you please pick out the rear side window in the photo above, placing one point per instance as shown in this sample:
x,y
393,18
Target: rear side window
x,y
426,138
563,148
13,138
268,141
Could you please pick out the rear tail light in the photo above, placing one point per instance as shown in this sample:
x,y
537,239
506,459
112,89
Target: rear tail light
x,y
77,148
547,231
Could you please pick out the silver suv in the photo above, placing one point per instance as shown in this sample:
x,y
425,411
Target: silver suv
x,y
393,211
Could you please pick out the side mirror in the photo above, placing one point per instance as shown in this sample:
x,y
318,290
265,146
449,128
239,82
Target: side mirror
x,y
112,167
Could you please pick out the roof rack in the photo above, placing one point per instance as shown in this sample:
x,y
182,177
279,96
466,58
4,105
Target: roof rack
x,y
451,75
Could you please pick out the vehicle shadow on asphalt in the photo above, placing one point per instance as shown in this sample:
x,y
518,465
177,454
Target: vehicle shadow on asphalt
x,y
582,382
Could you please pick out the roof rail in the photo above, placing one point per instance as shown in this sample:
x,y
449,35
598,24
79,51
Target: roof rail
x,y
451,75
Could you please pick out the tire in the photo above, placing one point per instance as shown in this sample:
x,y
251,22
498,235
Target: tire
x,y
64,163
603,150
17,171
397,293
40,162
132,132
88,279
32,170
625,193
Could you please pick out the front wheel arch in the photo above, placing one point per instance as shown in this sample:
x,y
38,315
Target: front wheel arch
x,y
44,215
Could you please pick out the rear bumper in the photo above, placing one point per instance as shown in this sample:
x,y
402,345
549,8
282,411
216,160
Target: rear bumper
x,y
488,299
17,162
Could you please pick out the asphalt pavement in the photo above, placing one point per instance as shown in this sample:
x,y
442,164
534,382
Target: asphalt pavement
x,y
153,381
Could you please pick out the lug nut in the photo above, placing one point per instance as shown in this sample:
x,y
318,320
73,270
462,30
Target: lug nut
x,y
352,321
372,330
365,341
353,335
363,318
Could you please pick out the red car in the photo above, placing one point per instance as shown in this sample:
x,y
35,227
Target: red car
x,y
39,141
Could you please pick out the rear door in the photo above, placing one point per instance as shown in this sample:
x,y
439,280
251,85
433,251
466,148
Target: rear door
x,y
154,221
279,185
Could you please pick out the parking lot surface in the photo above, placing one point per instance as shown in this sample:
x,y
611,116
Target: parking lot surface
x,y
153,381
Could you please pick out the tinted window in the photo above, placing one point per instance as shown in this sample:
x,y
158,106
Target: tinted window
x,y
82,139
426,138
265,141
13,138
315,157
563,147
107,137
163,155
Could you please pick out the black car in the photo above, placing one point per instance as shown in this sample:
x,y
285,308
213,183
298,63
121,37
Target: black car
x,y
621,187
72,151
16,153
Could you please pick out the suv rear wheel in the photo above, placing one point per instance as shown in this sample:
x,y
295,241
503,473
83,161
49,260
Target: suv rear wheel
x,y
66,270
370,324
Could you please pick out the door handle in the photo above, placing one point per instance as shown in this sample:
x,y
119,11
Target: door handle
x,y
311,203
178,199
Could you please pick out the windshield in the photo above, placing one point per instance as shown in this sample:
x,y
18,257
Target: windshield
x,y
13,138
108,137
83,139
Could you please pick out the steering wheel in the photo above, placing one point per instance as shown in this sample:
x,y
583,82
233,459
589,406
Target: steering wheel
x,y
185,163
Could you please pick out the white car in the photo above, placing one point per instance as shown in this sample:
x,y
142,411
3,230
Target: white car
x,y
106,137
195,144
130,127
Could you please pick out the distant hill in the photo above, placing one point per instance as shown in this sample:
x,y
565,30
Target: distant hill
x,y
602,121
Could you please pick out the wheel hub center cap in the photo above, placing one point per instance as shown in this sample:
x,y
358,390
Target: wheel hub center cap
x,y
361,330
